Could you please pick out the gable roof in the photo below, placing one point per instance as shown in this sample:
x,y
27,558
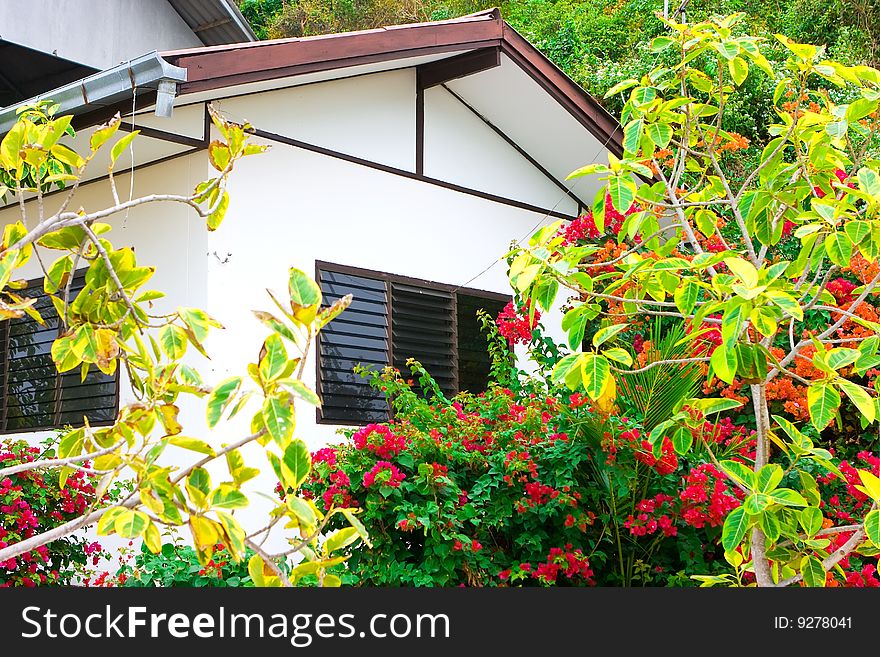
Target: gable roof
x,y
221,67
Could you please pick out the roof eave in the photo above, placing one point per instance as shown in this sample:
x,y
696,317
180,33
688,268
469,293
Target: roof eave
x,y
104,88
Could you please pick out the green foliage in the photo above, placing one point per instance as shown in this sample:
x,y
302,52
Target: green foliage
x,y
111,324
744,306
656,394
178,564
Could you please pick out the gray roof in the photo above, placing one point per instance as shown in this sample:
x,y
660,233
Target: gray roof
x,y
215,22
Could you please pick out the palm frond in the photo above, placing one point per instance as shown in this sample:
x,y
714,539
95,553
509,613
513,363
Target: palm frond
x,y
655,393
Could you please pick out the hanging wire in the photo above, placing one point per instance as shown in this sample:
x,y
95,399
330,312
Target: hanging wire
x,y
131,155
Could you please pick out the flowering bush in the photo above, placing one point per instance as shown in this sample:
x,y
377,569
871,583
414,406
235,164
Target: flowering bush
x,y
175,565
483,491
34,501
524,489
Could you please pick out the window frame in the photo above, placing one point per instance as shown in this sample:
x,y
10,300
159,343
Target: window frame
x,y
4,392
389,278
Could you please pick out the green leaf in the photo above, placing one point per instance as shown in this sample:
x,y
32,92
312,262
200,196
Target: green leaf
x,y
812,571
756,503
770,525
303,511
173,340
872,527
839,249
303,290
340,539
723,362
661,43
740,472
786,302
220,397
104,132
810,519
744,270
632,135
682,440
302,391
298,461
216,217
787,497
621,86
619,355
622,190
274,362
358,525
804,51
840,357
769,477
567,371
131,523
227,496
685,297
871,483
869,182
714,405
588,170
660,134
279,420
822,403
735,526
764,321
192,444
595,374
859,397
121,145
71,444
235,533
604,334
66,155
739,70
277,326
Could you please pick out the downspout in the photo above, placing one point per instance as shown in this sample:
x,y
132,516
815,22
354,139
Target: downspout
x,y
108,87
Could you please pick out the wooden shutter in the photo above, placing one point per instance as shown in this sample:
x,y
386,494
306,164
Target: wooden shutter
x,y
35,395
358,336
423,327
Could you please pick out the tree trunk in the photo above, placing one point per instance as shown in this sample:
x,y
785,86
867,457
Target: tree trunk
x,y
760,563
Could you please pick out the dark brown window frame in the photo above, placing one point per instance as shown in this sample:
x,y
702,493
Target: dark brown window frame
x,y
388,278
4,357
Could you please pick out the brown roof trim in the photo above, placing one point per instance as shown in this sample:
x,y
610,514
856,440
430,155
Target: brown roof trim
x,y
224,66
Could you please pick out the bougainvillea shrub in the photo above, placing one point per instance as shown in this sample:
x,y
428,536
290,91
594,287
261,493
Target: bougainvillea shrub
x,y
525,488
517,488
32,502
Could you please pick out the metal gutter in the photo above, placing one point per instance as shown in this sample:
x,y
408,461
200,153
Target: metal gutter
x,y
110,86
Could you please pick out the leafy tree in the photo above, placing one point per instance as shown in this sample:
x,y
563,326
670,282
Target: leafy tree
x,y
707,250
110,325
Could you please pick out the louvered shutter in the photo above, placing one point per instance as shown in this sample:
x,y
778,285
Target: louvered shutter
x,y
358,335
35,395
423,327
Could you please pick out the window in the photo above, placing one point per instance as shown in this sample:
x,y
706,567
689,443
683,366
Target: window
x,y
34,395
393,318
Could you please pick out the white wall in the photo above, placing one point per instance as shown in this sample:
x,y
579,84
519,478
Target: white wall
x,y
98,33
291,207
461,148
369,116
